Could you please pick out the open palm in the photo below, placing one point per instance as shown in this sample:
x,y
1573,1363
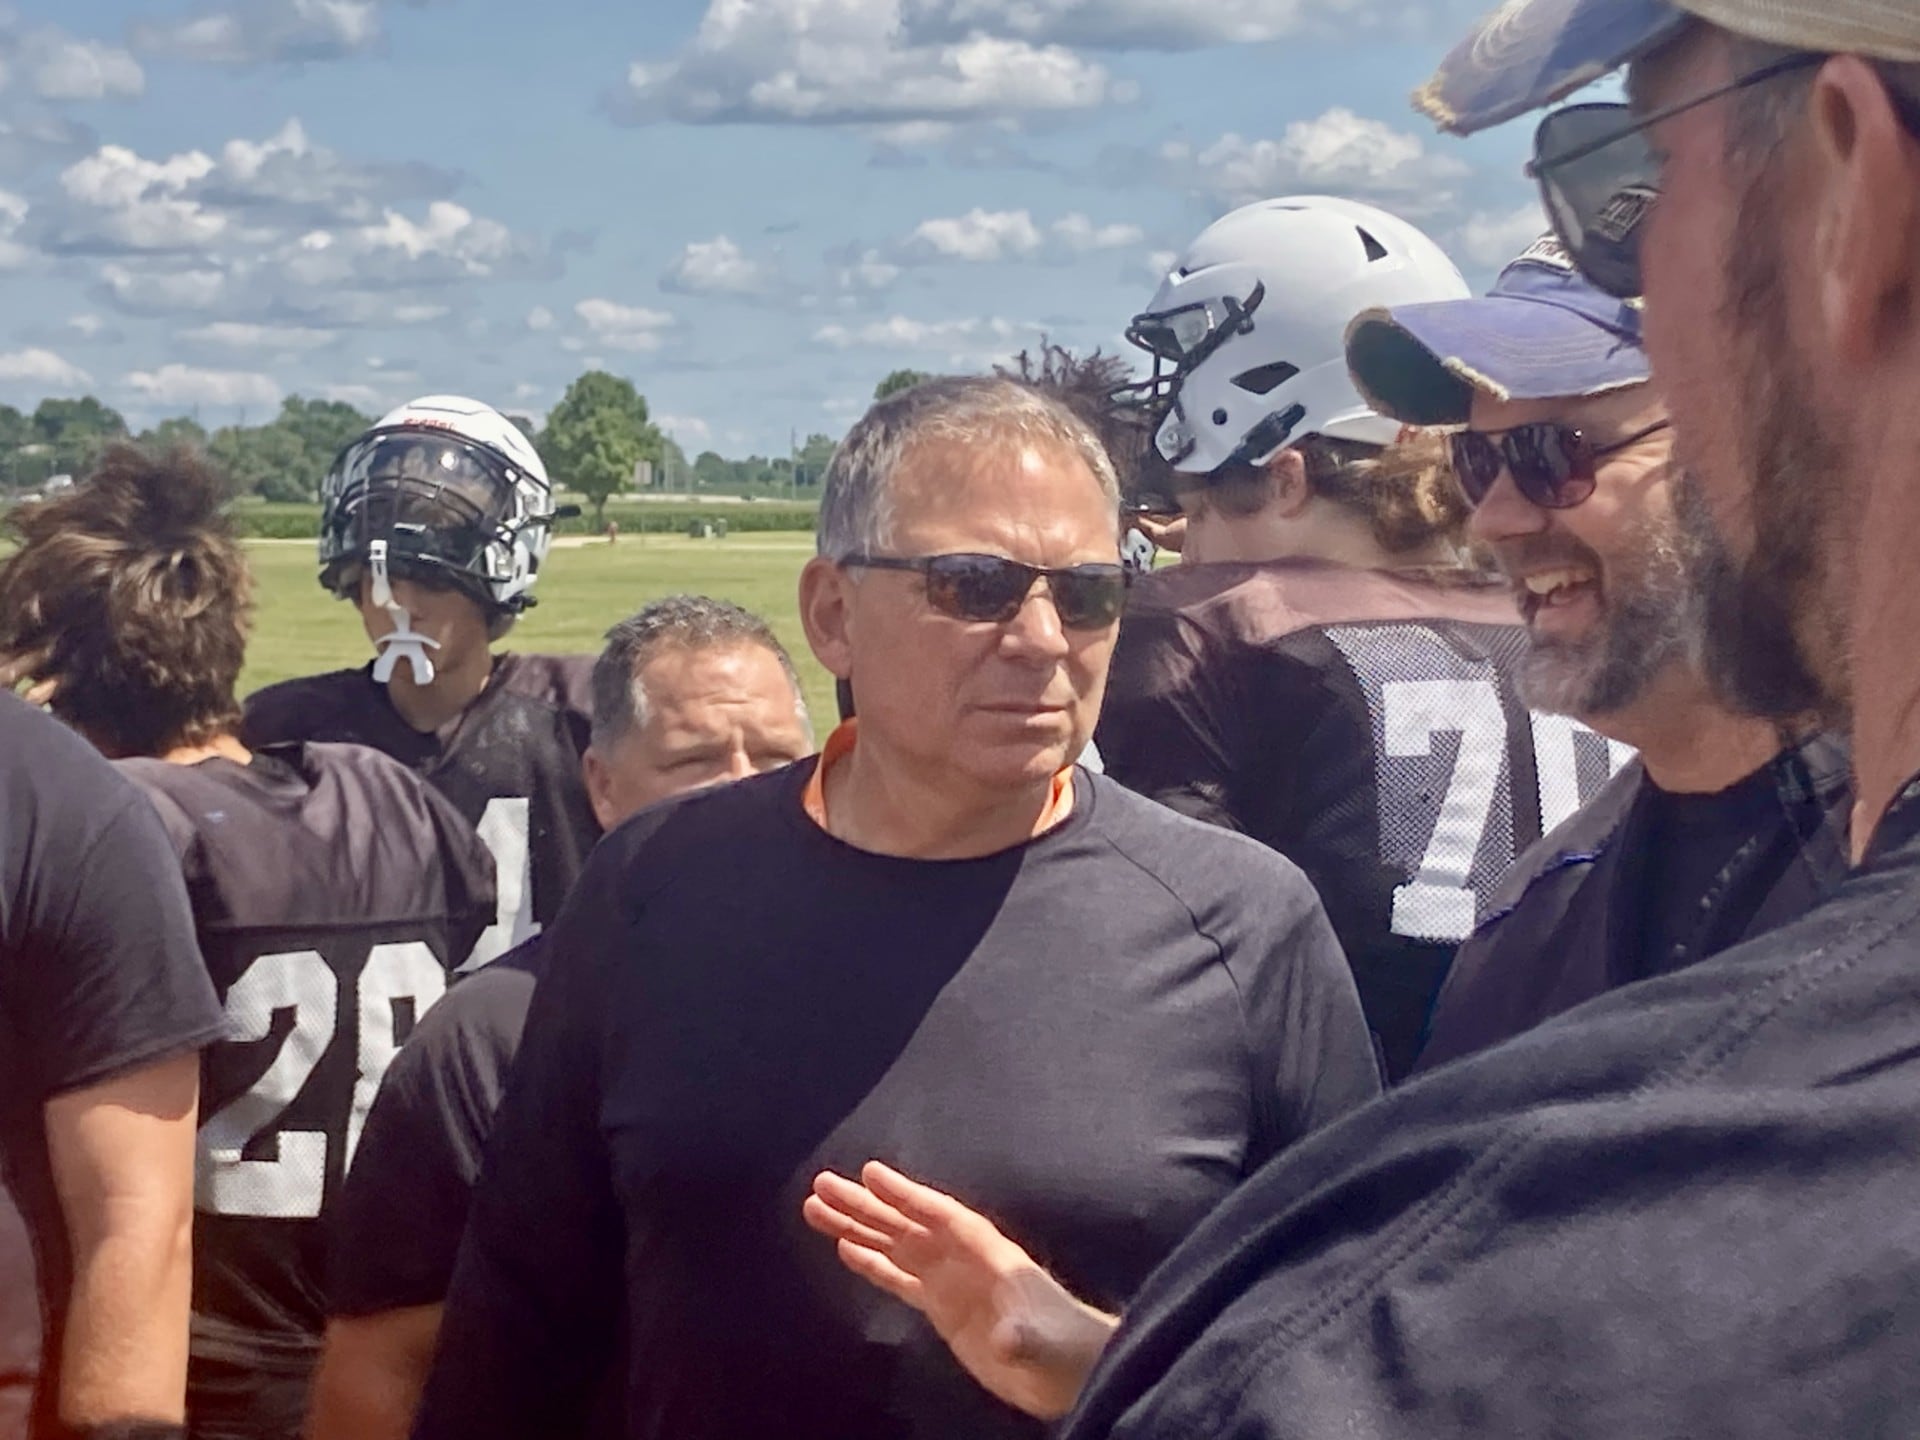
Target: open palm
x,y
1012,1326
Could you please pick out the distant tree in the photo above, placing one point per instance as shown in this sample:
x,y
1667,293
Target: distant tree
x,y
175,430
596,435
16,433
323,428
525,425
711,470
74,430
810,468
673,469
899,380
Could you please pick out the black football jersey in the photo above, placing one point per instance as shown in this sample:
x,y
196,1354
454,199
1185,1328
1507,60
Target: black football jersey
x,y
1364,723
510,761
333,892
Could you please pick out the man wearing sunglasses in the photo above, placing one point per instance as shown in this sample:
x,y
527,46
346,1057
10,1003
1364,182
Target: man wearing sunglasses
x,y
1685,1207
941,941
1717,832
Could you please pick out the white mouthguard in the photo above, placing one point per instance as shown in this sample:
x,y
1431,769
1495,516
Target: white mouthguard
x,y
403,642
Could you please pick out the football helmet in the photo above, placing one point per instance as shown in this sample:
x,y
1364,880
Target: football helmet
x,y
1248,330
443,489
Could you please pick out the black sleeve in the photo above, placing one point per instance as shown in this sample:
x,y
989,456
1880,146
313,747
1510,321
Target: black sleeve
x,y
399,1219
536,1296
1303,1014
1164,725
118,982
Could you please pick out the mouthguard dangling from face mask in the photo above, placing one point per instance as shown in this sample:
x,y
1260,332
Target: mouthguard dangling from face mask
x,y
403,642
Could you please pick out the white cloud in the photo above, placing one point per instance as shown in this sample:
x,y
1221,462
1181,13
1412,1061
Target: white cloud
x,y
266,31
13,214
715,267
158,292
1133,24
42,368
1338,153
865,272
176,384
540,318
86,326
65,69
124,202
958,338
989,236
448,230
361,397
837,62
979,235
238,335
623,327
1081,235
690,432
1493,239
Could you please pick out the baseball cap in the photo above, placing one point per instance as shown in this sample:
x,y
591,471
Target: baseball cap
x,y
1530,53
1541,333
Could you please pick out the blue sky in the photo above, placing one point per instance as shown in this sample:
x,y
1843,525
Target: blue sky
x,y
754,208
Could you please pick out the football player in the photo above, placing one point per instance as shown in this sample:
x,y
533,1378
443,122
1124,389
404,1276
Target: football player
x,y
1323,671
332,889
435,523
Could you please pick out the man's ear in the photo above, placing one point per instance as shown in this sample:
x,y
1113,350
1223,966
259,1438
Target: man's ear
x,y
1288,473
599,782
1866,217
826,613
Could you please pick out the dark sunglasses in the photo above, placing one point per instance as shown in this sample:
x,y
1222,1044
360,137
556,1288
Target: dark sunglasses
x,y
992,588
1554,466
1599,178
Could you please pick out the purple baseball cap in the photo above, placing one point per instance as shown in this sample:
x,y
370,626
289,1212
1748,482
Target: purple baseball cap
x,y
1530,53
1541,333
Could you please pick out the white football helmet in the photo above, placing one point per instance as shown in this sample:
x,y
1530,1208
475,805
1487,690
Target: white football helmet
x,y
1248,330
450,489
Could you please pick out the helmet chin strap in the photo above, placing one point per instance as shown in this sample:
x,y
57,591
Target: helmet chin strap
x,y
403,642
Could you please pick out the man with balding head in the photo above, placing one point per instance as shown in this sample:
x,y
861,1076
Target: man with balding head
x,y
942,942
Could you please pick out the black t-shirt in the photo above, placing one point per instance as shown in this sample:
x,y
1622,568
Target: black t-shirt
x,y
1690,842
510,761
1364,723
1685,1208
1093,1036
99,975
1640,882
332,892
404,1208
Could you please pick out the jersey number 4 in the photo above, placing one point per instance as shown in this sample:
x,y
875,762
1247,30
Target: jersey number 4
x,y
292,1183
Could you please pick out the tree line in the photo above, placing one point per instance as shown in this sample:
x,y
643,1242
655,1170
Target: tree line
x,y
594,442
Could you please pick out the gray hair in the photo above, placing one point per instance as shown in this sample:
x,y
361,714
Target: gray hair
x,y
684,622
856,505
1764,113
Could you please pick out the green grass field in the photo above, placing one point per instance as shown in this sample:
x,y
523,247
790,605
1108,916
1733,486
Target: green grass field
x,y
583,589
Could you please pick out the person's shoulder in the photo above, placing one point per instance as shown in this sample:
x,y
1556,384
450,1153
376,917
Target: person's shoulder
x,y
307,705
54,786
564,682
482,1015
682,835
1204,866
1564,853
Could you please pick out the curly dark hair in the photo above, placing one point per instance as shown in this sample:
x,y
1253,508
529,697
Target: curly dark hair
x,y
1092,386
131,595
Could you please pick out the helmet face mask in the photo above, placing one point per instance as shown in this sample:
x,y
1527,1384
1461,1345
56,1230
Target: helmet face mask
x,y
450,497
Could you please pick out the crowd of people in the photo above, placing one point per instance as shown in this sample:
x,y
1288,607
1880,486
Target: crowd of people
x,y
1438,959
